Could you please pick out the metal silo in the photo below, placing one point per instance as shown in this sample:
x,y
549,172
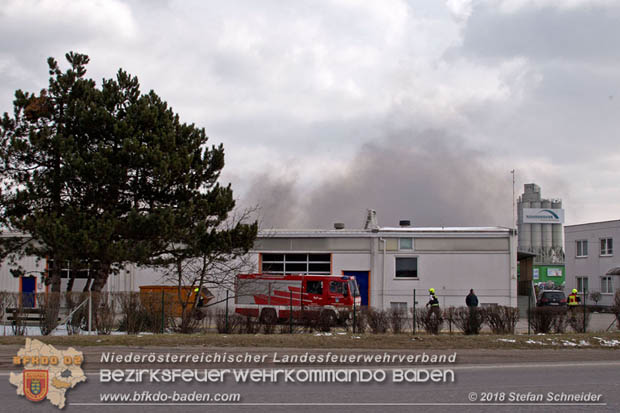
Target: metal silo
x,y
525,232
557,233
536,231
519,223
547,237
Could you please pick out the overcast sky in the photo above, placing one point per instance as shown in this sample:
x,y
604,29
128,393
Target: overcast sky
x,y
418,109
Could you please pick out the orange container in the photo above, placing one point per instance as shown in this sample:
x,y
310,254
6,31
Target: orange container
x,y
151,298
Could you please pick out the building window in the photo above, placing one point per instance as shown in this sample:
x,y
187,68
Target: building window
x,y
607,246
582,284
67,271
582,248
405,243
401,307
406,267
606,286
296,264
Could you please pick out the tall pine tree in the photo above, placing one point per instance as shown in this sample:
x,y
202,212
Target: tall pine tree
x,y
109,176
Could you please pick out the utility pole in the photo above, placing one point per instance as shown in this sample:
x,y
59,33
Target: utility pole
x,y
513,198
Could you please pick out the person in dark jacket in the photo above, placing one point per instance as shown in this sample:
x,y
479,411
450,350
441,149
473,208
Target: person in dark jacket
x,y
471,300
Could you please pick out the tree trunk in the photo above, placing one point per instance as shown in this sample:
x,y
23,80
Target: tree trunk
x,y
55,280
54,299
88,283
101,277
99,280
71,281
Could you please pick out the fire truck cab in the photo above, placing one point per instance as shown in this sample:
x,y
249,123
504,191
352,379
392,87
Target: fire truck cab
x,y
273,297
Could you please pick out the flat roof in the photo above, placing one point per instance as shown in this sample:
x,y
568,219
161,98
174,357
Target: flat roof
x,y
381,231
593,223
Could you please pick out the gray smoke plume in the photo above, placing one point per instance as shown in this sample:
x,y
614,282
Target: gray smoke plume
x,y
429,178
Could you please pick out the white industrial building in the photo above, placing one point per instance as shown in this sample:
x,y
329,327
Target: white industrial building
x,y
592,264
391,262
388,262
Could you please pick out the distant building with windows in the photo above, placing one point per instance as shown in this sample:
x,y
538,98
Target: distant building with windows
x,y
389,263
592,264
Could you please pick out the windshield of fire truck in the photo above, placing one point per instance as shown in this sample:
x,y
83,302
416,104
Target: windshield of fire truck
x,y
353,288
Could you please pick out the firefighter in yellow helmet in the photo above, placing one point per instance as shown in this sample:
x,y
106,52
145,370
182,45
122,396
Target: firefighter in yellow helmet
x,y
433,303
573,300
201,299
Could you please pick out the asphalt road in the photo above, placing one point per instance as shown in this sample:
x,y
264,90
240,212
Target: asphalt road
x,y
496,378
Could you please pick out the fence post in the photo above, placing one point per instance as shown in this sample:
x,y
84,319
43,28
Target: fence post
x,y
353,311
226,325
529,309
90,311
414,320
291,315
162,311
584,310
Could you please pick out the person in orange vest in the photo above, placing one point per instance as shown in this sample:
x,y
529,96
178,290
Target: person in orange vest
x,y
573,300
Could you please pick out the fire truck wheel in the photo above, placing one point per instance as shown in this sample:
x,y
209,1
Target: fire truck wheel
x,y
328,318
268,316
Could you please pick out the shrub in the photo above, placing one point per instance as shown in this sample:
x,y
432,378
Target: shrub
x,y
225,326
249,325
616,308
189,321
327,319
547,319
78,320
501,319
221,321
133,315
206,319
5,298
104,313
269,327
152,315
595,296
13,301
49,305
469,320
309,321
427,319
361,320
285,328
449,315
575,319
377,320
397,319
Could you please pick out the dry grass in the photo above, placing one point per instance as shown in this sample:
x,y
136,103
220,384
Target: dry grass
x,y
333,341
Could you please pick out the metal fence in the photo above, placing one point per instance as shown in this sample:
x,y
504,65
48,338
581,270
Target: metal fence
x,y
173,311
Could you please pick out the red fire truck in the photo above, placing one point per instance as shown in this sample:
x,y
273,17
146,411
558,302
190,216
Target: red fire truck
x,y
272,297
